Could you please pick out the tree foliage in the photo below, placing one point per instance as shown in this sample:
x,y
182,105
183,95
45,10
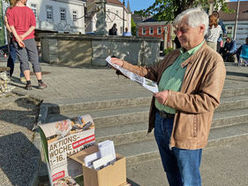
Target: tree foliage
x,y
167,10
133,27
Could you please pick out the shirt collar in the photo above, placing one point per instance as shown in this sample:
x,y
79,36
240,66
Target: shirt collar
x,y
192,50
189,53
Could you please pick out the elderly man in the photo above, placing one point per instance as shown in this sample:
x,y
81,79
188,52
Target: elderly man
x,y
190,83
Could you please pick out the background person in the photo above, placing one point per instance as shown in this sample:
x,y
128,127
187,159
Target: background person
x,y
229,50
126,33
223,34
22,23
12,50
242,53
113,30
214,32
190,83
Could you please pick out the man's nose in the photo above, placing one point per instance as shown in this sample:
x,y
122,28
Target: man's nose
x,y
178,33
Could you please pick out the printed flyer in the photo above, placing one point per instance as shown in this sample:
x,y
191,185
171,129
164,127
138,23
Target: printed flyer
x,y
146,83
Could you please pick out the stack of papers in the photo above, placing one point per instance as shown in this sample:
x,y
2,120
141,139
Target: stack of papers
x,y
105,156
147,83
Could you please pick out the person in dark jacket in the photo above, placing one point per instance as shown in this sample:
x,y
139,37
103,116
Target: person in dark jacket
x,y
229,49
113,30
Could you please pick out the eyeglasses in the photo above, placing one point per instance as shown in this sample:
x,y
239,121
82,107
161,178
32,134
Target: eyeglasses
x,y
182,30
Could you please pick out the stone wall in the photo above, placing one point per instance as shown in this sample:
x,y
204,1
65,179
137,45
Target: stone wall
x,y
79,50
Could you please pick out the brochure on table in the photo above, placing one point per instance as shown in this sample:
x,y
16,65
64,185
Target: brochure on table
x,y
62,139
147,83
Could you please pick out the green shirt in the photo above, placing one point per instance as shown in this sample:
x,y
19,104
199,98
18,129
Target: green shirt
x,y
172,77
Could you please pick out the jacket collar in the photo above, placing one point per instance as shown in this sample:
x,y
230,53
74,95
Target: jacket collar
x,y
194,56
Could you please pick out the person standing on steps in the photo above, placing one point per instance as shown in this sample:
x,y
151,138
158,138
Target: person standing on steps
x,y
22,23
190,81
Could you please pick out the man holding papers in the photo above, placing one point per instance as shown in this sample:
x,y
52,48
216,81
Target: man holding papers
x,y
190,81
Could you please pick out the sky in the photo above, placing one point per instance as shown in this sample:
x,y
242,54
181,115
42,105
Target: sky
x,y
139,4
143,4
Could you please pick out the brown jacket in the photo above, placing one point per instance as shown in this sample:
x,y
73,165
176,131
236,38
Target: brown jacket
x,y
199,96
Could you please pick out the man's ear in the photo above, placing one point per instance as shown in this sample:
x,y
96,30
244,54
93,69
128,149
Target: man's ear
x,y
202,28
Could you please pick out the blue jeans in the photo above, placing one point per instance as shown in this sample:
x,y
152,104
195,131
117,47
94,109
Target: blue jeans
x,y
12,58
182,166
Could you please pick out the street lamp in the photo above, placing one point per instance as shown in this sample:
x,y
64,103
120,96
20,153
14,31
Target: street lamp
x,y
211,6
236,21
123,19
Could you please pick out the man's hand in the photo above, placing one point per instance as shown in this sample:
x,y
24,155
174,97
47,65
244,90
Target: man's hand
x,y
21,43
117,61
161,96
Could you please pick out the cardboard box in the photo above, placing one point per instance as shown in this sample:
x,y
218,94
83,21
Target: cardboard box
x,y
111,175
62,139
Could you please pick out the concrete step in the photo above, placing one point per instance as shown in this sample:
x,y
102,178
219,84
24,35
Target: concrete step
x,y
232,92
123,134
136,132
124,116
145,150
233,102
230,117
75,105
107,118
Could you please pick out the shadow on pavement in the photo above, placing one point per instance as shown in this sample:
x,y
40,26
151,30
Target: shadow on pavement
x,y
25,116
132,182
236,74
19,158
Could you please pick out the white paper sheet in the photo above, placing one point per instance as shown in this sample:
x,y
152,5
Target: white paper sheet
x,y
147,83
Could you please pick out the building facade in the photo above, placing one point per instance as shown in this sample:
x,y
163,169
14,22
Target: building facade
x,y
156,29
242,24
114,12
59,15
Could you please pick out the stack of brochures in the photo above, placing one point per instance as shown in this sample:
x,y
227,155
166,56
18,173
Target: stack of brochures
x,y
104,157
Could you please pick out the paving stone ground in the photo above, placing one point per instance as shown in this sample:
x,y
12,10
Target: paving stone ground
x,y
19,157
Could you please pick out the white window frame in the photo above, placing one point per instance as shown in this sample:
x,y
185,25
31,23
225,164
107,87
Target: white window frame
x,y
62,14
151,31
49,12
159,30
74,15
33,6
143,30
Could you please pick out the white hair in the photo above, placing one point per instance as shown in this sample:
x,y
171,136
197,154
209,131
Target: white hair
x,y
195,17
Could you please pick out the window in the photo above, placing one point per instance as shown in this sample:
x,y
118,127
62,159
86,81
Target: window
x,y
62,14
74,15
159,30
34,8
143,31
151,31
49,12
121,29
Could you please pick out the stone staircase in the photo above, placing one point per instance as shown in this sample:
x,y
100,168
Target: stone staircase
x,y
125,121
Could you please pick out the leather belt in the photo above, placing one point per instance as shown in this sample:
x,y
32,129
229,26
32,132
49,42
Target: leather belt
x,y
165,115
